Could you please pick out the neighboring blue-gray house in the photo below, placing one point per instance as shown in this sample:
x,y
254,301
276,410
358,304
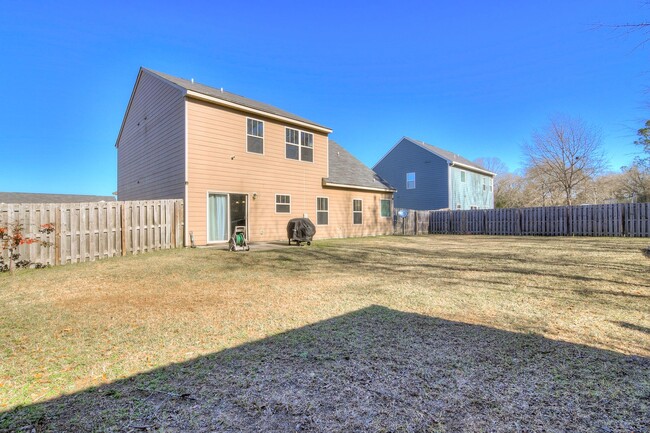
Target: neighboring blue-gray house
x,y
427,178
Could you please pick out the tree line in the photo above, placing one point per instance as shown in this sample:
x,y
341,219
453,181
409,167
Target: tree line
x,y
565,165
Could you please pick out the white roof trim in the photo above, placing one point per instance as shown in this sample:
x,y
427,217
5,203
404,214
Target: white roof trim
x,y
367,188
201,96
217,101
470,168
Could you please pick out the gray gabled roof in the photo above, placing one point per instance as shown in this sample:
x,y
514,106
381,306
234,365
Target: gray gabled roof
x,y
452,158
231,97
28,197
449,156
347,171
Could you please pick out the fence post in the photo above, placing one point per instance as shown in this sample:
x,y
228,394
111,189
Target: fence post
x,y
173,227
415,225
123,231
57,236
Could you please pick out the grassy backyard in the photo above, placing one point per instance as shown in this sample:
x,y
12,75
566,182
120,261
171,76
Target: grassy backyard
x,y
434,333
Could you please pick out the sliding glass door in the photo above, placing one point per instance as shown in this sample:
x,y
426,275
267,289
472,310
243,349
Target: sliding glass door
x,y
225,211
217,217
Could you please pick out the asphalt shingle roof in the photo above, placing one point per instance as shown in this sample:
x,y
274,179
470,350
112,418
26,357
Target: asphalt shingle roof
x,y
345,169
28,197
453,157
231,97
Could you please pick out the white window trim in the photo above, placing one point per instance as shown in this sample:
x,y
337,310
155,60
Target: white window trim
x,y
207,214
300,146
414,179
354,212
390,208
275,205
263,136
327,211
463,176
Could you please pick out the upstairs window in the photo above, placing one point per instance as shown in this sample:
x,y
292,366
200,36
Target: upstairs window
x,y
357,211
322,211
299,145
484,185
462,176
282,203
410,180
491,184
254,136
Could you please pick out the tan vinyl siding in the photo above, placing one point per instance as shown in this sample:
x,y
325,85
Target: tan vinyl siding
x,y
340,214
219,163
151,148
215,136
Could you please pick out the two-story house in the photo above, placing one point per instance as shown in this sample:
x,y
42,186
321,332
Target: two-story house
x,y
428,178
236,161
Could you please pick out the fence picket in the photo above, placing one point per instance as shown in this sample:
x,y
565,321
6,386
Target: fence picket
x,y
628,219
93,231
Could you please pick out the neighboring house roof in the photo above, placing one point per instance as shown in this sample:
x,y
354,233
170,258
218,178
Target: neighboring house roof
x,y
347,171
28,197
452,158
231,97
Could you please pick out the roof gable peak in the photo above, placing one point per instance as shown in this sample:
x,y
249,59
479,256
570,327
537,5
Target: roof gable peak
x,y
222,97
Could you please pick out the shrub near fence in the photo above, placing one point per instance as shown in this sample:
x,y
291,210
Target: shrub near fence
x,y
625,219
93,231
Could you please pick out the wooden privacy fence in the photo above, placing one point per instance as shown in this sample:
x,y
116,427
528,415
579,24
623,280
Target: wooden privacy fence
x,y
416,222
624,219
93,231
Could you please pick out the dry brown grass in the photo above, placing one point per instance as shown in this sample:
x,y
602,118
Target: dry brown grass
x,y
440,333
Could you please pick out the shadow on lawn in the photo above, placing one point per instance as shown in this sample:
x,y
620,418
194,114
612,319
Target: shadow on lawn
x,y
634,327
359,259
375,369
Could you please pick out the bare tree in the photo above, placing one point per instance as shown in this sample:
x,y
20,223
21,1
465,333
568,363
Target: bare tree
x,y
634,184
628,29
565,155
509,191
493,164
541,189
602,189
500,169
642,27
644,141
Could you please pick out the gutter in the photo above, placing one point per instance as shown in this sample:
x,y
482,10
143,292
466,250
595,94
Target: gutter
x,y
239,107
365,188
470,168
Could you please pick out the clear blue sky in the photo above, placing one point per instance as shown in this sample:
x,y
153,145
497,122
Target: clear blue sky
x,y
473,77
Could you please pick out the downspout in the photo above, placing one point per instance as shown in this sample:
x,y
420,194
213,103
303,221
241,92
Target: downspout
x,y
186,204
449,185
